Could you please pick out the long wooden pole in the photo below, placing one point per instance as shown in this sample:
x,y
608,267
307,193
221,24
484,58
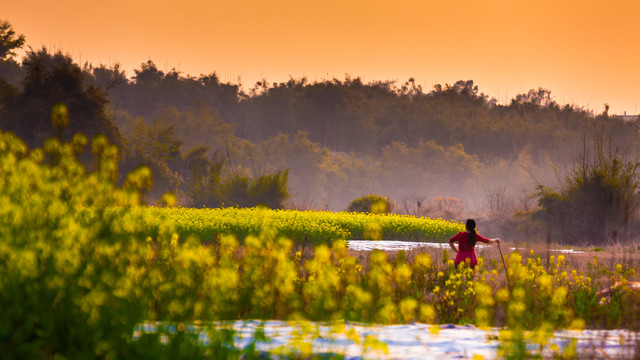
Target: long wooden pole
x,y
505,266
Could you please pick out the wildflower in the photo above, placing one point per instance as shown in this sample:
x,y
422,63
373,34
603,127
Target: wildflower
x,y
450,262
545,283
518,293
427,313
408,308
502,295
516,308
577,324
422,261
482,314
559,296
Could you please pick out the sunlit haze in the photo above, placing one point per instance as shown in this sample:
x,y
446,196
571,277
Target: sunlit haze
x,y
586,52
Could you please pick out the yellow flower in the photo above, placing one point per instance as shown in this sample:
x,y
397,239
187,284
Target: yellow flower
x,y
502,295
450,263
427,313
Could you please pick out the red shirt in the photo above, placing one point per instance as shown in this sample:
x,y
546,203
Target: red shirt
x,y
465,250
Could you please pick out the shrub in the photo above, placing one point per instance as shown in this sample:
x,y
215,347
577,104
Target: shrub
x,y
268,190
597,201
371,203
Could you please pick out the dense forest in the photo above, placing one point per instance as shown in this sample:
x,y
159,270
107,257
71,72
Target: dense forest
x,y
310,145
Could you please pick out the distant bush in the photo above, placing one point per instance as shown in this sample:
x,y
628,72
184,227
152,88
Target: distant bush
x,y
371,203
597,202
269,190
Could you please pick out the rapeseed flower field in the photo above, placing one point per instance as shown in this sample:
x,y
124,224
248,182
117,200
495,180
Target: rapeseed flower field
x,y
312,227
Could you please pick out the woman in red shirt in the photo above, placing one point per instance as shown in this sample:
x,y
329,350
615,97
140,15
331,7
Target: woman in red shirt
x,y
466,243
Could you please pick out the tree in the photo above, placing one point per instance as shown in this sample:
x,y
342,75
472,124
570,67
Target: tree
x,y
10,72
106,78
197,126
540,98
52,79
8,40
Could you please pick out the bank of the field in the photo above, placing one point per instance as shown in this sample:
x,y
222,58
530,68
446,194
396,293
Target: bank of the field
x,y
310,226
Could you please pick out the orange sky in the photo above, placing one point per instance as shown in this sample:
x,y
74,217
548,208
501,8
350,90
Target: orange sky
x,y
586,52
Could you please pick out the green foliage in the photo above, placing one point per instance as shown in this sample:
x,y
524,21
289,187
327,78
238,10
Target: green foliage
x,y
597,202
372,203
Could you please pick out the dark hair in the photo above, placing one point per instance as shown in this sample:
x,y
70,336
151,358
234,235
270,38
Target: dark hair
x,y
471,228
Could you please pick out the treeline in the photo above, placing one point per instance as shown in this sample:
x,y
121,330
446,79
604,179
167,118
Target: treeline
x,y
363,118
324,142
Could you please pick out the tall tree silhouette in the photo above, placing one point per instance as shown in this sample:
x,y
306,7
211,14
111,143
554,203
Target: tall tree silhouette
x,y
52,79
8,40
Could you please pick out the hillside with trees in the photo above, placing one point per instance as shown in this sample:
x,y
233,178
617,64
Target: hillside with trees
x,y
309,145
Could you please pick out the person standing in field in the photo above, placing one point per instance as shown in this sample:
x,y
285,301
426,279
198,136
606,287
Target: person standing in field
x,y
466,243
